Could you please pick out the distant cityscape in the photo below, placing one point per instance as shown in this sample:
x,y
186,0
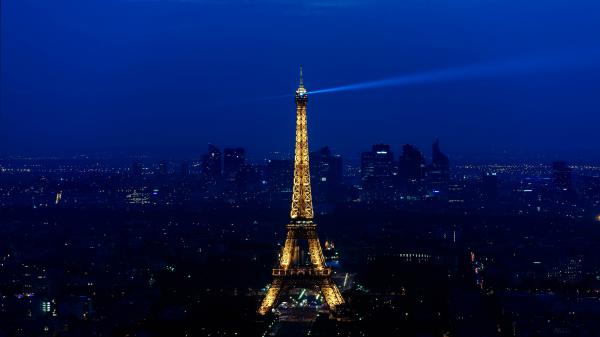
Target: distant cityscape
x,y
399,181
419,246
320,168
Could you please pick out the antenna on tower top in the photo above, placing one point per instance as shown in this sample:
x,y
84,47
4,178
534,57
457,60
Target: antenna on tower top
x,y
301,78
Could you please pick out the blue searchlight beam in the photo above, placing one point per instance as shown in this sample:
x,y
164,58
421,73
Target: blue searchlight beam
x,y
509,67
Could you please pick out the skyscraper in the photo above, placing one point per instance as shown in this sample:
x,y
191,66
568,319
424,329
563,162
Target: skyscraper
x,y
278,174
233,163
211,163
377,172
438,173
411,171
163,168
411,164
379,162
326,173
438,158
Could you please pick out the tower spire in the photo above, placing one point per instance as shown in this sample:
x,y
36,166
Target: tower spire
x,y
302,208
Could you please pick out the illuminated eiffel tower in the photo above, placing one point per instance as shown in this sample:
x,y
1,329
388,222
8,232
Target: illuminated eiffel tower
x,y
292,272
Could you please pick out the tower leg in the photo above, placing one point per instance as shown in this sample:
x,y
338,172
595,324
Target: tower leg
x,y
287,254
316,253
271,297
332,294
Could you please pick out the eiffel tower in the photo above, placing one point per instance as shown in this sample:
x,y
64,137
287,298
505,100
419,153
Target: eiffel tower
x,y
291,272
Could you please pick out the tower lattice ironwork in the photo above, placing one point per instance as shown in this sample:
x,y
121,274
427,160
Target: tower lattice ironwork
x,y
291,272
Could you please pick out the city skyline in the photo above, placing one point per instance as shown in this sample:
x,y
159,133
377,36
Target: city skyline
x,y
411,246
165,164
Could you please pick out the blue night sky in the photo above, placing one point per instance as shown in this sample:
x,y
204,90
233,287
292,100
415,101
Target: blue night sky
x,y
170,76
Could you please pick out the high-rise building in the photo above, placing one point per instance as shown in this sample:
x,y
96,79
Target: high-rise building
x,y
326,173
411,165
411,172
211,163
438,159
377,173
233,163
438,173
379,162
278,174
163,168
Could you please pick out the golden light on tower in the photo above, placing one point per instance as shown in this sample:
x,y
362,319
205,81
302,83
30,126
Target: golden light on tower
x,y
302,207
290,273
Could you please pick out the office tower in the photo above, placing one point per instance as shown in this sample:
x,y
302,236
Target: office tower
x,y
377,173
278,174
438,173
233,163
379,162
411,172
411,164
326,173
211,163
163,168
